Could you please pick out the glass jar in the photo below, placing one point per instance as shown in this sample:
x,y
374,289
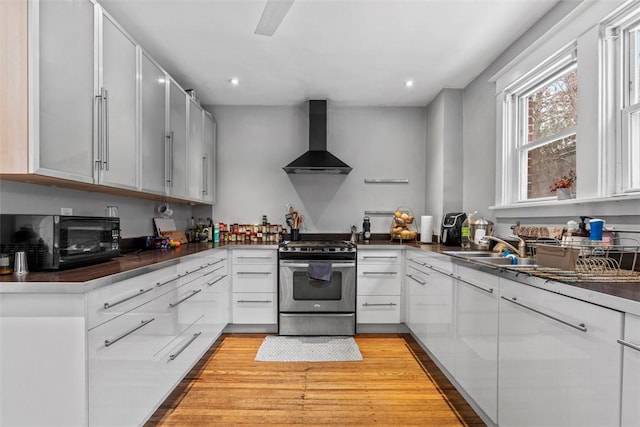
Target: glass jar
x,y
5,265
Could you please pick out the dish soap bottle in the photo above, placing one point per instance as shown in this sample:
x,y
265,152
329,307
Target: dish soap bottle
x,y
465,231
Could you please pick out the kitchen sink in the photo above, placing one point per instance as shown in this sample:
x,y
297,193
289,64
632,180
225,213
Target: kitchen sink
x,y
473,254
529,262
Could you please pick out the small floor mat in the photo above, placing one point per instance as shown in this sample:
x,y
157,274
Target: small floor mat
x,y
308,349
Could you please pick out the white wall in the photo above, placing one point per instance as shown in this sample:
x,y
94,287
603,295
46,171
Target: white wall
x,y
136,215
444,156
255,142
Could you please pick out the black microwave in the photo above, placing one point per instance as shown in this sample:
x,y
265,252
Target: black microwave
x,y
54,242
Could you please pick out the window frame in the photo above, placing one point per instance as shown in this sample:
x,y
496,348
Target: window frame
x,y
515,123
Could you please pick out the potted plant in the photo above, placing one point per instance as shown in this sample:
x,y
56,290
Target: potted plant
x,y
562,187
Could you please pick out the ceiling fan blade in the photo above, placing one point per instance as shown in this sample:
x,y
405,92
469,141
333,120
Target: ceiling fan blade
x,y
272,15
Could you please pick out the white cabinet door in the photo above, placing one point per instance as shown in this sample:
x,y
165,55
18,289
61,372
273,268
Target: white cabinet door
x,y
209,147
153,141
378,308
476,337
558,360
118,143
195,154
631,372
254,285
63,96
177,150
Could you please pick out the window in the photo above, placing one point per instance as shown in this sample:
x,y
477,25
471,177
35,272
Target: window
x,y
541,112
630,113
621,37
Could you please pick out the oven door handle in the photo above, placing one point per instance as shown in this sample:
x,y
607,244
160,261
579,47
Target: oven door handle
x,y
306,264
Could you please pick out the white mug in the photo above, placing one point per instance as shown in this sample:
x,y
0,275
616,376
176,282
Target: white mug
x,y
164,210
111,211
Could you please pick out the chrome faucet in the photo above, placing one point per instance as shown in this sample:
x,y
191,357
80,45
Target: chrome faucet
x,y
522,245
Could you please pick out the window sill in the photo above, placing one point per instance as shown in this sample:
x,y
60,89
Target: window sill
x,y
612,206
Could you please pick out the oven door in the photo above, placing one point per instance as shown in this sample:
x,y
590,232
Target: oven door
x,y
301,294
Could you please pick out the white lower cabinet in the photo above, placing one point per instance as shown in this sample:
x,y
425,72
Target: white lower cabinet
x,y
136,358
476,337
431,310
631,371
254,286
559,362
379,286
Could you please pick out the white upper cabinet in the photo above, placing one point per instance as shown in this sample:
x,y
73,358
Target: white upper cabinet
x,y
209,147
117,143
62,61
195,153
177,142
154,143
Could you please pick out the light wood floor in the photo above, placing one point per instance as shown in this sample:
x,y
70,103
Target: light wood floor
x,y
395,385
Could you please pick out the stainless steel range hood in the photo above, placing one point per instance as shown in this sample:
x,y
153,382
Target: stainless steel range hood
x,y
317,160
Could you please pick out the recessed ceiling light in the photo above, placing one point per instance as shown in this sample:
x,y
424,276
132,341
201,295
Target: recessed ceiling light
x,y
408,83
234,81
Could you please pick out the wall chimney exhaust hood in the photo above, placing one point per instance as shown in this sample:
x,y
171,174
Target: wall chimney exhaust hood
x,y
317,160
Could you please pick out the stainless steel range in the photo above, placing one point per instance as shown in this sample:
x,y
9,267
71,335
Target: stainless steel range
x,y
317,288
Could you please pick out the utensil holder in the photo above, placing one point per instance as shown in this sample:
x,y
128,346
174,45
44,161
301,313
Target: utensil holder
x,y
295,234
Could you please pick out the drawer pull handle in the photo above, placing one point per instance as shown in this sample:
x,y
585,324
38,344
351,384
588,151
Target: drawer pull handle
x,y
254,257
159,284
417,280
217,261
213,271
253,272
177,353
490,290
417,262
514,300
380,272
267,301
193,293
213,282
629,344
113,304
379,257
366,304
142,324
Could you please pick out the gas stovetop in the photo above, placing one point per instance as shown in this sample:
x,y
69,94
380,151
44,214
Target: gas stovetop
x,y
317,246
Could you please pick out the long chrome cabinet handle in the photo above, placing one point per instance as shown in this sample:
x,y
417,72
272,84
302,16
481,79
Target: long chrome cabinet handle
x,y
266,301
388,273
366,304
253,272
142,324
105,98
416,261
514,300
213,271
490,290
193,293
205,172
159,284
254,257
437,270
213,282
98,118
629,344
417,280
177,353
334,265
113,304
378,257
217,261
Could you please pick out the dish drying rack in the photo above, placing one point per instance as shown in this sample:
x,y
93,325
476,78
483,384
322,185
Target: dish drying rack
x,y
591,262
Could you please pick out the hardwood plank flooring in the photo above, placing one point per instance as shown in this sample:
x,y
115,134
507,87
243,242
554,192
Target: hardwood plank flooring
x,y
395,385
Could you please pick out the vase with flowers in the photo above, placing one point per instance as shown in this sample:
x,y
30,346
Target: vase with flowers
x,y
562,187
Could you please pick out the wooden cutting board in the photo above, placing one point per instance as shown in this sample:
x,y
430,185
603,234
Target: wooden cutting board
x,y
176,235
164,224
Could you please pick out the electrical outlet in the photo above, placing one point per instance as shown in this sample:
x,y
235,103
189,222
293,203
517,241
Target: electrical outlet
x,y
66,211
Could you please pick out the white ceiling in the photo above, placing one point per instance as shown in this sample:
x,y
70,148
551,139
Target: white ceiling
x,y
352,52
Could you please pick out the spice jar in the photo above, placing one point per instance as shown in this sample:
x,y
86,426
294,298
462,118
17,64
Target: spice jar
x,y
5,264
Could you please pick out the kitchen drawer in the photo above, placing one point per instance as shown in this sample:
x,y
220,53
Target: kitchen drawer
x,y
108,302
379,256
379,279
254,308
254,278
439,263
177,310
378,309
254,256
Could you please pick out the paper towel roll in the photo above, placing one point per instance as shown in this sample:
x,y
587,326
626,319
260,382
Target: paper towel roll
x,y
426,228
